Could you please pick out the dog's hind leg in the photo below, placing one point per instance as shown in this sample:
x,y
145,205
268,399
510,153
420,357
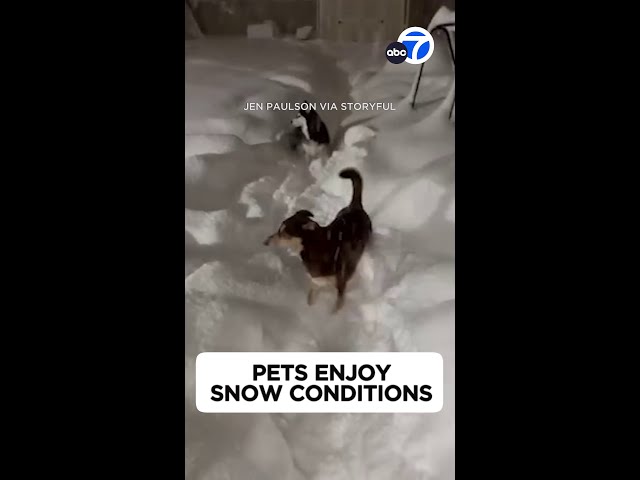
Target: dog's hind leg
x,y
341,285
340,300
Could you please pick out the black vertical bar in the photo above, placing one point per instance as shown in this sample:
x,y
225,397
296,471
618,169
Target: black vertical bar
x,y
442,27
415,92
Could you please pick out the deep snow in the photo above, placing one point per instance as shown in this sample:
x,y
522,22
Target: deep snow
x,y
242,296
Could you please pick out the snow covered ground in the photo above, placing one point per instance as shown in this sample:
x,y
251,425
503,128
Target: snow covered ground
x,y
241,296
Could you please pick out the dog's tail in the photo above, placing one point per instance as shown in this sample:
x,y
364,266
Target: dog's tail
x,y
356,179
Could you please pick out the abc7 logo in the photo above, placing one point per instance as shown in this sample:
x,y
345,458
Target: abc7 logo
x,y
396,52
414,45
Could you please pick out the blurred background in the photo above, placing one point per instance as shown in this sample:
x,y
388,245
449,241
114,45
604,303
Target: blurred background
x,y
334,20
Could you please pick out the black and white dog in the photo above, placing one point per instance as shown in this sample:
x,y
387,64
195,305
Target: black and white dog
x,y
310,134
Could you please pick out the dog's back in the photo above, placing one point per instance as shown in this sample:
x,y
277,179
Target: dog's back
x,y
353,222
352,226
318,131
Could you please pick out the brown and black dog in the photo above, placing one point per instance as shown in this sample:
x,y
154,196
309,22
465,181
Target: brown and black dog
x,y
330,254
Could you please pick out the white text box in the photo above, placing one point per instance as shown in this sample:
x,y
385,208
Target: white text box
x,y
335,382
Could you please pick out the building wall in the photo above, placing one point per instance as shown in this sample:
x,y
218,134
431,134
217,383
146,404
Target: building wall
x,y
374,20
231,17
420,12
349,20
361,20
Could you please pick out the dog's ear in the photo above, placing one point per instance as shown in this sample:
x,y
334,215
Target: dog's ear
x,y
304,213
